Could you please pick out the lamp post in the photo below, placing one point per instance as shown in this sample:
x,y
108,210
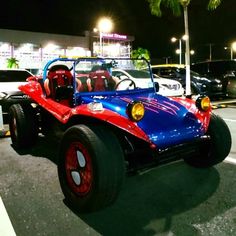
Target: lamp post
x,y
173,40
179,50
233,49
185,4
104,25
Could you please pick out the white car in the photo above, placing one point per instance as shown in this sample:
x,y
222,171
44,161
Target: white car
x,y
10,79
167,87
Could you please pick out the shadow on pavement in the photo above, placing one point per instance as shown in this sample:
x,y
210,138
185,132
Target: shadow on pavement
x,y
45,147
160,194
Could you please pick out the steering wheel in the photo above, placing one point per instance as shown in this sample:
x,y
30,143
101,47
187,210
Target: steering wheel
x,y
132,83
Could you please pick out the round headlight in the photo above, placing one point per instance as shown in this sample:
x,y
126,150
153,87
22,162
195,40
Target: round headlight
x,y
203,103
135,111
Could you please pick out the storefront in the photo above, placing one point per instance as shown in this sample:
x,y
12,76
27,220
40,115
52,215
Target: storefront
x,y
33,50
112,44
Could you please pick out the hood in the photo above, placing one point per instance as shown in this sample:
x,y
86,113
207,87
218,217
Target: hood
x,y
166,122
10,86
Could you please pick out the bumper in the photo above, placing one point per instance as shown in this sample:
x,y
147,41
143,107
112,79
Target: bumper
x,y
137,162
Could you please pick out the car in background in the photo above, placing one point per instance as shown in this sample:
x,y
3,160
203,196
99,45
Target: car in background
x,y
167,87
224,70
199,84
10,79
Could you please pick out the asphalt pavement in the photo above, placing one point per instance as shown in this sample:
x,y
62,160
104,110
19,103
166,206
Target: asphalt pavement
x,y
174,199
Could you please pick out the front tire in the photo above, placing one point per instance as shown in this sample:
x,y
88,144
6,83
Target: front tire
x,y
23,125
90,168
218,147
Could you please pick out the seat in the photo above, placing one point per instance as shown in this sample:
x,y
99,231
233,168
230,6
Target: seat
x,y
100,80
59,84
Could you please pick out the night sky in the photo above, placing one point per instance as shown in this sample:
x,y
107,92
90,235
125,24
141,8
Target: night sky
x,y
130,17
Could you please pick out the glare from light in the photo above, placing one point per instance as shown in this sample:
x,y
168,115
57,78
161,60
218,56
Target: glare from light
x,y
192,52
177,51
26,47
233,46
4,47
105,24
173,39
185,37
50,47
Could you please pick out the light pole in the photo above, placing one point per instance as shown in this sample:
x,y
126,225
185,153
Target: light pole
x,y
179,50
185,4
104,25
173,40
233,49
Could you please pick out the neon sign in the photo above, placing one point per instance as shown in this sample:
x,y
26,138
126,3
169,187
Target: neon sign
x,y
114,36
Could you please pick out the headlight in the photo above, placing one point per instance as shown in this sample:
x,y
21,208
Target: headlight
x,y
135,110
203,103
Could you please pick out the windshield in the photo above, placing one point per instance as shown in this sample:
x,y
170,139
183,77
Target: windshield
x,y
93,75
14,76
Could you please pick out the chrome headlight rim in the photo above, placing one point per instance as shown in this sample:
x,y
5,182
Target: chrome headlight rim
x,y
135,110
203,103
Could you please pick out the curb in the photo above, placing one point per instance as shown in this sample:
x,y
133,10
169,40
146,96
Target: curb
x,y
219,106
4,133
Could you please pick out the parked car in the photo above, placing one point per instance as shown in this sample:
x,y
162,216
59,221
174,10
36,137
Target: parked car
x,y
224,70
10,79
199,84
106,133
167,87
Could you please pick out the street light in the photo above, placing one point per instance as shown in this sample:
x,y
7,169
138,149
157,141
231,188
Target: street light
x,y
179,51
232,49
104,25
192,52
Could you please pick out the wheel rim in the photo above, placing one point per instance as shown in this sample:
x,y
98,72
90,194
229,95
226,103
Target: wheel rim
x,y
78,168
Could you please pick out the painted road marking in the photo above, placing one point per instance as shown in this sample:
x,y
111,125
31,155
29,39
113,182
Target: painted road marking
x,y
230,160
6,228
230,120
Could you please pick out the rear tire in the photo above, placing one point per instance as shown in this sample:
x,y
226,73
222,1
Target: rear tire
x,y
90,168
217,149
23,125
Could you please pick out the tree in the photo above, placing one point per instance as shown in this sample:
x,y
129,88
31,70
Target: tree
x,y
12,63
140,53
175,6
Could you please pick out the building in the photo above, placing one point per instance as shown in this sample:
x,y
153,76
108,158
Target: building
x,y
34,49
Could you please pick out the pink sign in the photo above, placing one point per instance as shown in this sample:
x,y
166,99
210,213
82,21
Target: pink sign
x,y
114,36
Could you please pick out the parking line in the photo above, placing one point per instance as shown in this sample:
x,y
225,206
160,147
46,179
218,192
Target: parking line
x,y
6,228
230,160
231,120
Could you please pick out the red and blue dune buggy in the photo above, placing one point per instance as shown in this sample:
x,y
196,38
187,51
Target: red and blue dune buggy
x,y
110,127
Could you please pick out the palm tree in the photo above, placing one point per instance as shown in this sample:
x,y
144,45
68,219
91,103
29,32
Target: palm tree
x,y
140,53
12,63
175,5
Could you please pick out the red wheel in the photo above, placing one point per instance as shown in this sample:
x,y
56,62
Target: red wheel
x,y
90,172
79,168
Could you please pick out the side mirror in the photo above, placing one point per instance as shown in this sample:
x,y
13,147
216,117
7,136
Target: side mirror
x,y
157,87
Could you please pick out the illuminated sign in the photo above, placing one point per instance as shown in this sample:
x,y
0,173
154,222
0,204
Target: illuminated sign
x,y
114,36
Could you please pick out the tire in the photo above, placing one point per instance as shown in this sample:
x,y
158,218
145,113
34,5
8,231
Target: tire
x,y
23,125
90,167
218,147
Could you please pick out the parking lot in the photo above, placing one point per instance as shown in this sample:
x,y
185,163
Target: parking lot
x,y
174,199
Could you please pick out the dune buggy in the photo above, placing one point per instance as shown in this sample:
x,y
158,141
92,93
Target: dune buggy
x,y
110,127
